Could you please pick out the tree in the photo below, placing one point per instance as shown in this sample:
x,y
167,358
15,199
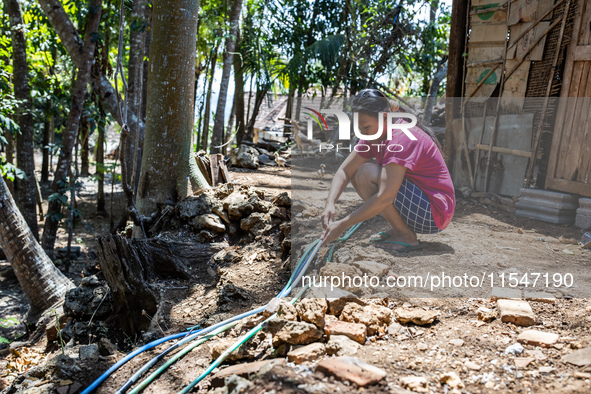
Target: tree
x,y
44,285
71,131
169,170
24,187
220,113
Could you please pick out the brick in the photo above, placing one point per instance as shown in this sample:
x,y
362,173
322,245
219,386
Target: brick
x,y
351,369
537,338
354,331
308,353
517,312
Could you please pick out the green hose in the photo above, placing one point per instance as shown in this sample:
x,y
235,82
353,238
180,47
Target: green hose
x,y
235,346
342,239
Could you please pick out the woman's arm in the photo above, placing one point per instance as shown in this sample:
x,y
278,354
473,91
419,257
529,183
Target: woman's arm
x,y
391,178
339,182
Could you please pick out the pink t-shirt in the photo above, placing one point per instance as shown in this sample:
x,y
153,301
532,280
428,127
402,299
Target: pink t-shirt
x,y
424,166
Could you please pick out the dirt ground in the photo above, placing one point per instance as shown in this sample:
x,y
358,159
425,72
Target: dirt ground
x,y
480,239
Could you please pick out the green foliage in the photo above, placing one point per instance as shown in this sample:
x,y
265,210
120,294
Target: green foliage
x,y
7,323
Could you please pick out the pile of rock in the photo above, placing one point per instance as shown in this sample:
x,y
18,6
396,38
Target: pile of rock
x,y
233,210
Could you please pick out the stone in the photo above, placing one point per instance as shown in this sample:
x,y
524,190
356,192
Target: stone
x,y
580,358
537,338
372,268
247,157
235,384
354,331
505,293
282,200
418,384
546,370
292,332
106,348
457,342
341,345
338,298
338,270
351,369
237,206
472,365
516,312
312,310
540,296
195,205
84,302
417,316
256,222
486,314
452,380
523,362
375,317
284,309
245,351
581,375
516,349
88,352
422,346
244,370
308,353
209,221
394,328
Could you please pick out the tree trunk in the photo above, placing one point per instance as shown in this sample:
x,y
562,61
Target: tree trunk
x,y
220,113
71,129
74,45
84,146
10,157
239,95
133,148
24,188
205,133
48,128
432,96
44,285
258,101
167,162
100,163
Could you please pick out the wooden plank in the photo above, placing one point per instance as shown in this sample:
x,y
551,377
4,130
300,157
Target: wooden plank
x,y
225,175
488,33
507,151
583,36
521,47
583,53
584,162
476,74
529,11
583,189
492,17
571,161
214,168
572,111
564,92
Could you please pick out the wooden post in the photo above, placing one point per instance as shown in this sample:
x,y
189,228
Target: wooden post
x,y
455,71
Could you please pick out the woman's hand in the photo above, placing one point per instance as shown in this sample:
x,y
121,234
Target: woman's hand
x,y
328,216
333,231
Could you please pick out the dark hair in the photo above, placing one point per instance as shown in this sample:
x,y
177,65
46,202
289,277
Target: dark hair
x,y
373,101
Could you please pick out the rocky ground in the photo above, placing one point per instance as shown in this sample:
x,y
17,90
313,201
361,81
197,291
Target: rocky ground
x,y
352,342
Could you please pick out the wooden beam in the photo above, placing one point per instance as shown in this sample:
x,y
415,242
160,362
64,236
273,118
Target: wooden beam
x,y
507,151
455,70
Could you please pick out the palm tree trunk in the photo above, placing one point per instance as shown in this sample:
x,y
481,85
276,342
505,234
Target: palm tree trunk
x,y
239,94
72,123
220,113
167,162
24,188
44,285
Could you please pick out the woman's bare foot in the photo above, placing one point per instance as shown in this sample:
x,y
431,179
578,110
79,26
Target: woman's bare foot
x,y
382,236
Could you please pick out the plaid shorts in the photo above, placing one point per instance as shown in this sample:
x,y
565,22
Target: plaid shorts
x,y
415,208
